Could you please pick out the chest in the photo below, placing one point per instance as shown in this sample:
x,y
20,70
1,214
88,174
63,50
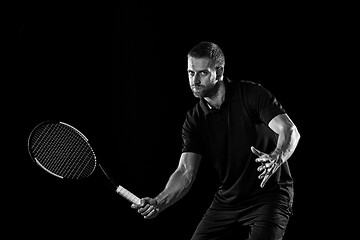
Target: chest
x,y
229,124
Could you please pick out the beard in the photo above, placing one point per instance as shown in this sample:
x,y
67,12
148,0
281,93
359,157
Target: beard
x,y
202,91
199,91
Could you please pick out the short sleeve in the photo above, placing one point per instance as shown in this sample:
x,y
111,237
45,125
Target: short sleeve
x,y
263,104
191,134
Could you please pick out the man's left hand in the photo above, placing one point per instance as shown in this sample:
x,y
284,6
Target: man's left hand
x,y
269,164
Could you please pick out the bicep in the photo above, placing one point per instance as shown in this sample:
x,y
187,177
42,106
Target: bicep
x,y
281,123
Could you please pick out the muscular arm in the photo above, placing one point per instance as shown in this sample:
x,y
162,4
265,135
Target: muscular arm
x,y
288,135
181,180
288,138
177,186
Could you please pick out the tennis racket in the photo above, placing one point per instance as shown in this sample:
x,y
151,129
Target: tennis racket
x,y
64,152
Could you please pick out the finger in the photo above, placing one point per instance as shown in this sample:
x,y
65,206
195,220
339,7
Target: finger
x,y
151,214
145,213
262,174
263,159
256,152
275,168
261,167
143,209
267,176
269,165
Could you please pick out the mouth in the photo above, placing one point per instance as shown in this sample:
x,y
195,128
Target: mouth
x,y
197,88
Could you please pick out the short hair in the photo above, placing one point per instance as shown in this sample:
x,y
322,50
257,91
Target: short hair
x,y
209,50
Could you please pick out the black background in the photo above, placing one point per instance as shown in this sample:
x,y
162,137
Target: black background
x,y
118,74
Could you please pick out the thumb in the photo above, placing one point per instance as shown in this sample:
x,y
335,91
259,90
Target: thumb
x,y
256,152
136,206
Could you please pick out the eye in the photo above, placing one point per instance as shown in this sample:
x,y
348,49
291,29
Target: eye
x,y
191,73
203,73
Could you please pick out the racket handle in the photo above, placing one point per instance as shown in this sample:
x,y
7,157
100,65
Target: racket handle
x,y
128,195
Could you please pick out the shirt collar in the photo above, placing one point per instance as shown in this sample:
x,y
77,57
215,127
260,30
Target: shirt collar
x,y
228,96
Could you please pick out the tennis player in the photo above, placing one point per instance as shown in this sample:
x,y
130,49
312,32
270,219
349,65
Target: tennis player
x,y
241,128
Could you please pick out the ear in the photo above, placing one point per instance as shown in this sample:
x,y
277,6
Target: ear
x,y
219,72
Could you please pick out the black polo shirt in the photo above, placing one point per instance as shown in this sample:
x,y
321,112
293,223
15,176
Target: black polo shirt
x,y
224,137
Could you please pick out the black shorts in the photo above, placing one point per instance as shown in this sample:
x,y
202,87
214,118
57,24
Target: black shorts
x,y
257,222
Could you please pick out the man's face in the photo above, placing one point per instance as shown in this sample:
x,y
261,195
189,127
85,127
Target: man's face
x,y
202,76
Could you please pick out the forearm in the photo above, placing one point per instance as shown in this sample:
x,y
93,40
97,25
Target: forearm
x,y
178,185
287,142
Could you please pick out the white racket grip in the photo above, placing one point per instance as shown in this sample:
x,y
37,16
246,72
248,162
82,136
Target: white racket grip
x,y
128,195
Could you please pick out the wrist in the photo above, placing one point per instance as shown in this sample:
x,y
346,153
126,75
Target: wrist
x,y
277,151
160,201
279,155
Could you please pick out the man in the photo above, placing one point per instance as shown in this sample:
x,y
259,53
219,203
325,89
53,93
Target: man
x,y
244,131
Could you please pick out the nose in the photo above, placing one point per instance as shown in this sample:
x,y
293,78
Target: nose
x,y
197,79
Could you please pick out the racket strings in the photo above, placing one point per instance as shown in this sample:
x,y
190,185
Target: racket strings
x,y
71,161
54,152
63,151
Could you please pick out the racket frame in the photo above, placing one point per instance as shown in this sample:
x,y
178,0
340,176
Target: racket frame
x,y
119,189
68,125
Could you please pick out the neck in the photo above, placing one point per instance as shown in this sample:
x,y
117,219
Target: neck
x,y
218,97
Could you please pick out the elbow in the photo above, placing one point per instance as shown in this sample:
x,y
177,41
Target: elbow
x,y
185,177
189,177
295,135
291,132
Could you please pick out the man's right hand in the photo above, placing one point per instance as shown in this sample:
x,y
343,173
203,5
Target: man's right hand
x,y
148,207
